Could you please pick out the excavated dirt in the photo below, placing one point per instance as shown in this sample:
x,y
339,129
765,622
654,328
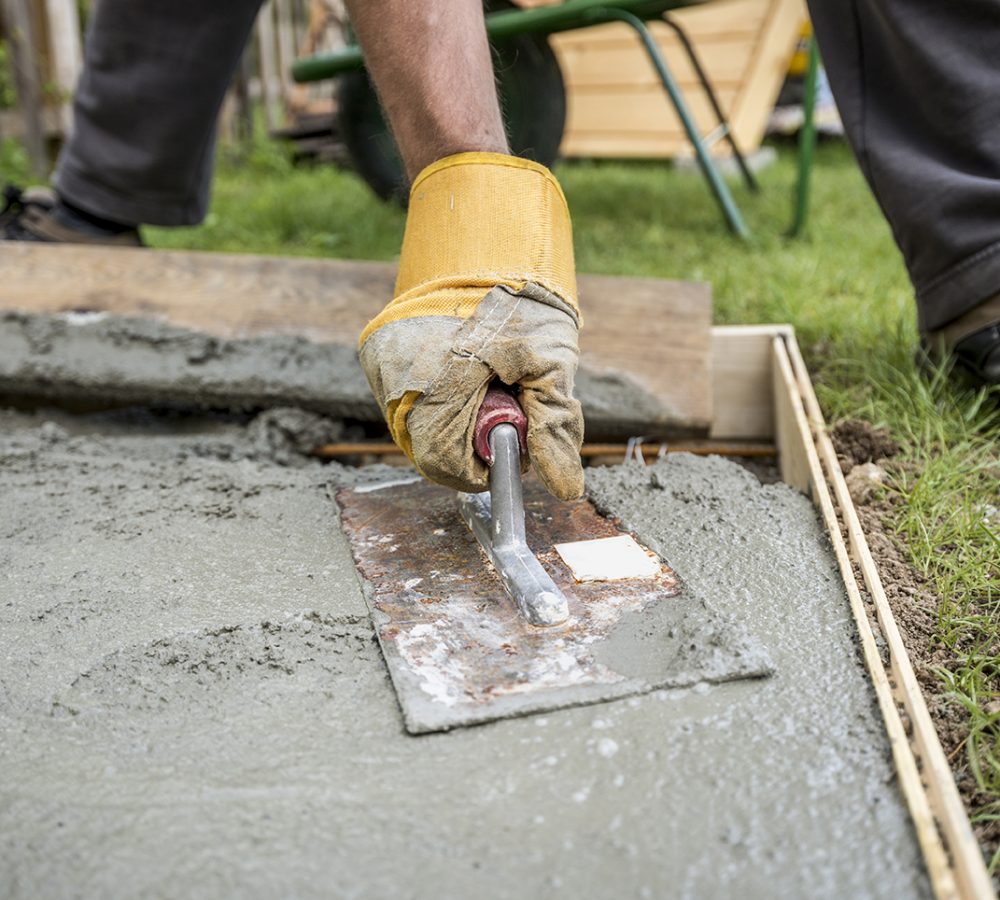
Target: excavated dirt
x,y
914,606
193,704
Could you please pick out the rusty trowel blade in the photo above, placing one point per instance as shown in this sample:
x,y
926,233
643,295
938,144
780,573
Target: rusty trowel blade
x,y
457,649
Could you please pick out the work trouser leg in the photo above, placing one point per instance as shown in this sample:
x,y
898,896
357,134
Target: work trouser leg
x,y
143,140
918,87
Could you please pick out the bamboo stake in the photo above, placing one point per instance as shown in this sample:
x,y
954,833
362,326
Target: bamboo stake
x,y
589,451
20,31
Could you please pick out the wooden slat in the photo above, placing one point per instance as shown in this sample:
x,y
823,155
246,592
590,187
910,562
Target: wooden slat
x,y
267,53
587,65
973,880
742,389
795,456
799,439
623,109
643,338
23,48
65,54
750,109
744,45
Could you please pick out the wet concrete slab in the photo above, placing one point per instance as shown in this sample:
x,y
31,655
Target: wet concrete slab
x,y
193,702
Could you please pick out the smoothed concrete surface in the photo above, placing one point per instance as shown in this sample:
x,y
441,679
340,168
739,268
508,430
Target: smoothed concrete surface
x,y
192,703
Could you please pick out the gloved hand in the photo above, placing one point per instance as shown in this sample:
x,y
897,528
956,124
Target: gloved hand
x,y
486,289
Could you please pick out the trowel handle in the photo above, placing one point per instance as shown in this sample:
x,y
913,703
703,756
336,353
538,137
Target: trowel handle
x,y
499,407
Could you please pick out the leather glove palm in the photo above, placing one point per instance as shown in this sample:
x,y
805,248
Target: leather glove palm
x,y
486,289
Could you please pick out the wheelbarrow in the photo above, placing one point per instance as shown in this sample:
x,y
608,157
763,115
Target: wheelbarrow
x,y
532,92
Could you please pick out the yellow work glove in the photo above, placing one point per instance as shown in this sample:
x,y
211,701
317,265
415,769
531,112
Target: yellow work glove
x,y
486,289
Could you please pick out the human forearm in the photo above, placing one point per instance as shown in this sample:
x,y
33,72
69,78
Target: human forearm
x,y
431,65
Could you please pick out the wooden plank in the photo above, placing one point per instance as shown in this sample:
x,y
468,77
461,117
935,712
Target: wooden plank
x,y
645,347
773,52
65,53
742,389
794,391
286,43
744,45
267,51
973,880
701,20
588,65
795,456
614,110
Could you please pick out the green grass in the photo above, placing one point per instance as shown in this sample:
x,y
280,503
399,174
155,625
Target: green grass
x,y
843,287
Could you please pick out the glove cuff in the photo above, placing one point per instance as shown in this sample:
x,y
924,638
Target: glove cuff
x,y
476,221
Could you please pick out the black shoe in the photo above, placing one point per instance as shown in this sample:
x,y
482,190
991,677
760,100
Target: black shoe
x,y
34,215
979,355
975,359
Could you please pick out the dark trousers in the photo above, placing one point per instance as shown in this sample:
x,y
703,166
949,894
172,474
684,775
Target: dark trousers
x,y
917,83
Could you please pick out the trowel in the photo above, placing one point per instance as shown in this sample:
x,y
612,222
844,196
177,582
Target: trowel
x,y
497,518
512,602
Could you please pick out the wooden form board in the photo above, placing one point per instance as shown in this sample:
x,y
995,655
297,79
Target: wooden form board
x,y
651,332
809,463
617,106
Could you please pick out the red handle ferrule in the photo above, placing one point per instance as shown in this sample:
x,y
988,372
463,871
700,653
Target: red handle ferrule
x,y
499,407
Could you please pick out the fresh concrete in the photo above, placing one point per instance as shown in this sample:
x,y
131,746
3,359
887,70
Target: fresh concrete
x,y
97,357
192,703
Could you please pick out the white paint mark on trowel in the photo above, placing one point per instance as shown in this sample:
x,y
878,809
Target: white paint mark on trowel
x,y
608,559
411,583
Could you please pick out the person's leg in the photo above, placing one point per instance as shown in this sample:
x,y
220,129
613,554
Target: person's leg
x,y
918,87
155,74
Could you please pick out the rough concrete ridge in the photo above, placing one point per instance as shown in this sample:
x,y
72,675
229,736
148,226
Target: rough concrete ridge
x,y
101,358
192,703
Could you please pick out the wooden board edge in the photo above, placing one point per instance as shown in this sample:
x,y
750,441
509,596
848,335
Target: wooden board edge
x,y
742,394
970,871
951,852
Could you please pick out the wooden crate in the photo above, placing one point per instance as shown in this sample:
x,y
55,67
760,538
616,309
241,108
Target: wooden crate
x,y
617,106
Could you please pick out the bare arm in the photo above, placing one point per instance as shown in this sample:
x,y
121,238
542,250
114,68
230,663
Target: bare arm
x,y
430,61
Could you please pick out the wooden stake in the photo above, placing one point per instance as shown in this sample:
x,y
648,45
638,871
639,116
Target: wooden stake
x,y
793,386
21,35
968,866
589,451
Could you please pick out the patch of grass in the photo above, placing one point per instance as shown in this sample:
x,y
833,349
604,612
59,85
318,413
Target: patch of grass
x,y
14,164
263,204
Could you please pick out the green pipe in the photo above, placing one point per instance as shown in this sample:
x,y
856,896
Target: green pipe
x,y
708,167
807,143
567,16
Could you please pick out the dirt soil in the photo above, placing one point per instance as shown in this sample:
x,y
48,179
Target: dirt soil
x,y
914,605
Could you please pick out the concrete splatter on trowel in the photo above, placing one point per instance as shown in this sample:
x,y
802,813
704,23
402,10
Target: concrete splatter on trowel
x,y
458,650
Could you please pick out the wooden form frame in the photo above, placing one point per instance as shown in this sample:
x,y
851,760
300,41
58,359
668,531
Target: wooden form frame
x,y
762,389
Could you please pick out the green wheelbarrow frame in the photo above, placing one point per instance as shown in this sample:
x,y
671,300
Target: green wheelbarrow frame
x,y
572,15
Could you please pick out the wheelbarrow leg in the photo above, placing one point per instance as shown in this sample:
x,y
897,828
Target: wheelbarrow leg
x,y
705,161
807,143
724,130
